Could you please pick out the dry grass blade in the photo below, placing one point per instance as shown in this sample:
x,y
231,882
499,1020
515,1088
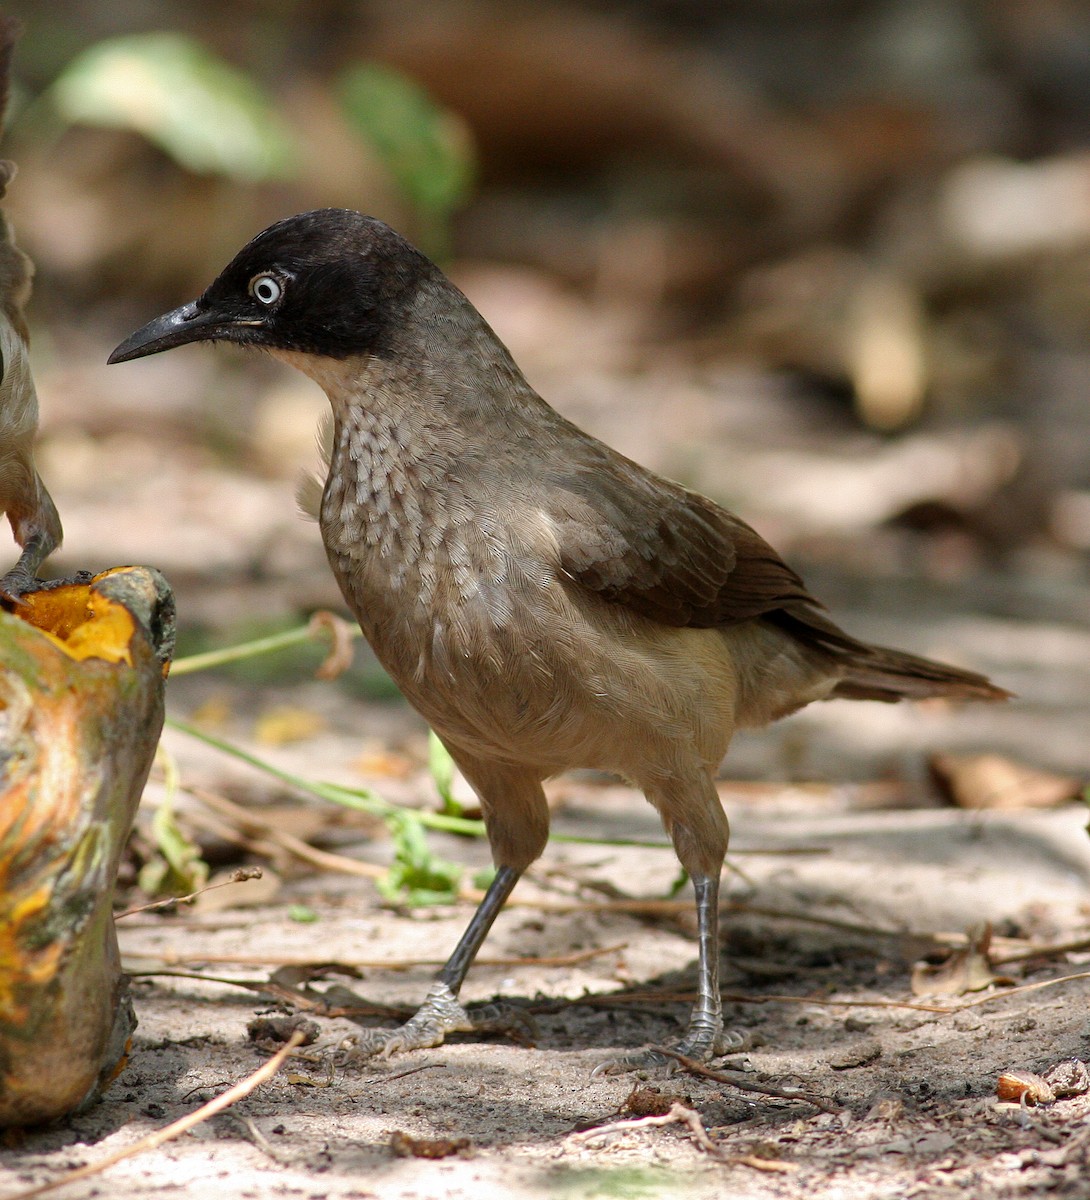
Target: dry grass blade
x,y
170,959
251,823
224,1100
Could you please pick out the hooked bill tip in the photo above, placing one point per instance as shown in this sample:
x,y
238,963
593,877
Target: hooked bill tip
x,y
175,328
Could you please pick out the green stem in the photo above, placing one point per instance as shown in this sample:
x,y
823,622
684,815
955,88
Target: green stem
x,y
357,798
265,645
364,800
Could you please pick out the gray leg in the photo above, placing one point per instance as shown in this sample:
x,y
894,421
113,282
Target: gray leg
x,y
441,1013
698,827
706,1036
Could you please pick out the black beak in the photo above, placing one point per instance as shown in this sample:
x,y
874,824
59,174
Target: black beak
x,y
185,324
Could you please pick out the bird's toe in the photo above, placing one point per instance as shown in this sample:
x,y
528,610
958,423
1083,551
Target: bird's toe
x,y
659,1061
440,1014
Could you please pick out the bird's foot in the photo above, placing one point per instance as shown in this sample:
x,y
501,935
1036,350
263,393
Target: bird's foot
x,y
700,1045
440,1014
14,585
19,582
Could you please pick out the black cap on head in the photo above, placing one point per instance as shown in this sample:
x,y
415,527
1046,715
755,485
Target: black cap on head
x,y
331,282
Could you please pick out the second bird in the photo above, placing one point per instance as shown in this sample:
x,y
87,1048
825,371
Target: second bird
x,y
543,601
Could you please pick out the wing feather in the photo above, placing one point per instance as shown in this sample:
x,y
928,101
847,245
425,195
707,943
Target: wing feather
x,y
662,551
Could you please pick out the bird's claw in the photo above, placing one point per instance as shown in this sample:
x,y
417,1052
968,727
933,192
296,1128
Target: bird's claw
x,y
510,1020
20,582
440,1014
701,1047
14,585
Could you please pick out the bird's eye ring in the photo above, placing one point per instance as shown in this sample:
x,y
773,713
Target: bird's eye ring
x,y
266,289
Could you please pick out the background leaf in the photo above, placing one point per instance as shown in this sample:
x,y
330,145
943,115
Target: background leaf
x,y
427,149
441,767
417,877
205,114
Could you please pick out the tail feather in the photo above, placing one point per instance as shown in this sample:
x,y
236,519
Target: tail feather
x,y
878,673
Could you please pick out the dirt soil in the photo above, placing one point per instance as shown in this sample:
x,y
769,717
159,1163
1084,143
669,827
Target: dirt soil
x,y
820,944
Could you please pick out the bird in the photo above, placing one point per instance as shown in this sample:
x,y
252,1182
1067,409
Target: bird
x,y
543,601
30,510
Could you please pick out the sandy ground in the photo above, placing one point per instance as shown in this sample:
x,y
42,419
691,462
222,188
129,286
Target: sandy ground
x,y
820,945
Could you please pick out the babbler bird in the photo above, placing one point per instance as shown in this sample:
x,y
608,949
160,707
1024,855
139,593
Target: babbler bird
x,y
23,496
543,601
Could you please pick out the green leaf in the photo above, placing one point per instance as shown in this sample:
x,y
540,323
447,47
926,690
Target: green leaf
x,y
208,116
428,150
178,868
417,877
678,885
441,766
302,914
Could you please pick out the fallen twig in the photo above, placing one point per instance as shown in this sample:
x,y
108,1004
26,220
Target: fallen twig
x,y
435,1066
679,1114
260,1140
743,1084
1043,950
242,875
1017,991
224,1100
652,1000
684,907
316,1003
657,998
757,1163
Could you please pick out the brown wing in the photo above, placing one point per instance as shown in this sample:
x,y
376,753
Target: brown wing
x,y
662,551
677,558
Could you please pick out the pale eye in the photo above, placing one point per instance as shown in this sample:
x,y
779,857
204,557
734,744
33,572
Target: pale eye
x,y
266,289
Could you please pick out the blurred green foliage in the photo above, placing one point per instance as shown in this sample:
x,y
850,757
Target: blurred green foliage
x,y
417,877
177,868
427,149
214,119
441,768
208,116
